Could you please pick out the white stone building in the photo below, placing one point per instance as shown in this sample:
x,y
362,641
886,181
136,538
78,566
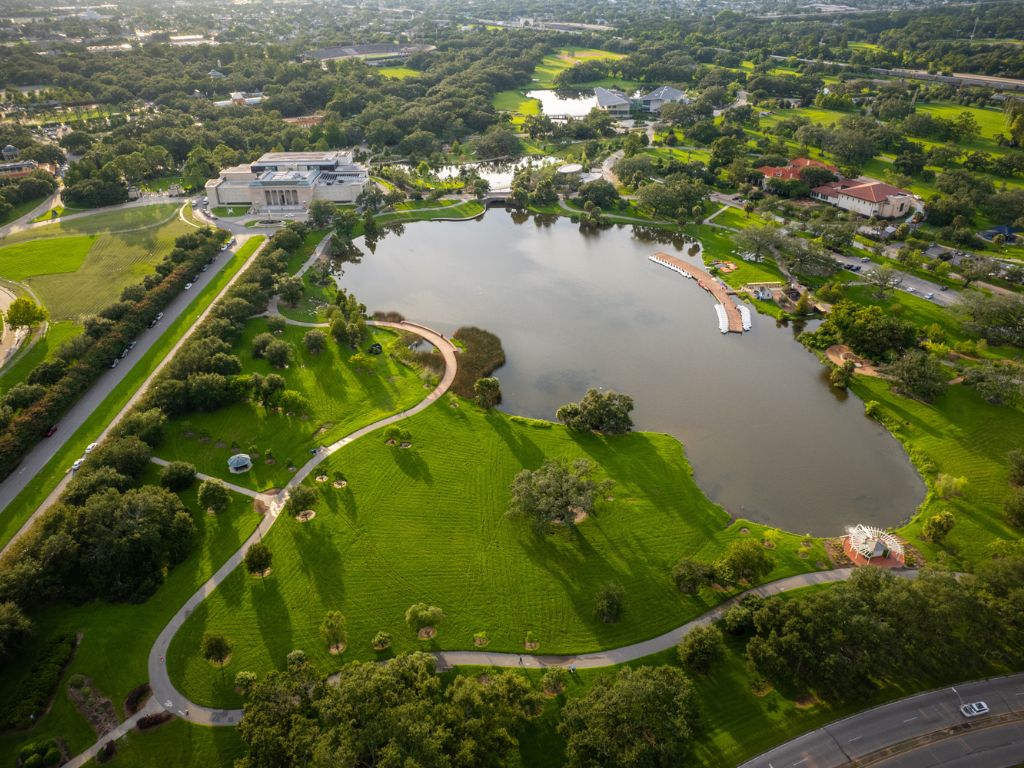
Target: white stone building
x,y
283,180
868,197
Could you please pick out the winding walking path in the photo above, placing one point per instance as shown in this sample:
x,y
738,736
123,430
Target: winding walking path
x,y
164,691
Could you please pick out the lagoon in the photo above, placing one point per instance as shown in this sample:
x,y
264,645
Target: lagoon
x,y
769,440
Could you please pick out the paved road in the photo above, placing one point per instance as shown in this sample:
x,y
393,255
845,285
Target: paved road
x,y
159,679
858,736
90,401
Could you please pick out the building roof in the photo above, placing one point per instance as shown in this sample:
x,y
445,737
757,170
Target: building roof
x,y
270,158
10,148
609,98
870,190
239,461
871,542
215,74
664,93
791,172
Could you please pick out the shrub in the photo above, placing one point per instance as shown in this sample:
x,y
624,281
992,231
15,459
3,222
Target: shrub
x,y
691,575
177,476
1014,508
701,647
332,629
301,498
103,756
244,681
135,697
381,641
937,527
35,690
744,559
947,486
152,721
608,604
553,681
420,615
296,658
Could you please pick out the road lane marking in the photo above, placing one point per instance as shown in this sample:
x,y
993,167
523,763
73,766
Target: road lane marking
x,y
799,762
910,718
855,738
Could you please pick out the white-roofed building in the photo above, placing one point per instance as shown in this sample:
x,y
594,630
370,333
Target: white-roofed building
x,y
613,102
659,97
290,180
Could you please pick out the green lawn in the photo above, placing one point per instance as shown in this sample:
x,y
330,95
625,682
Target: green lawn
x,y
960,435
466,210
515,101
428,524
131,629
26,502
341,398
20,210
80,266
161,184
568,56
225,211
22,364
399,73
178,743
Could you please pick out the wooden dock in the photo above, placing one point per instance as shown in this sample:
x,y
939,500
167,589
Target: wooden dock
x,y
709,284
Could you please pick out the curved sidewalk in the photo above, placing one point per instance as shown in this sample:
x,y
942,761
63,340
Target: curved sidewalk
x,y
164,691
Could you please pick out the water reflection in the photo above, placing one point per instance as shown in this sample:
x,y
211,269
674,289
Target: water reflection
x,y
768,437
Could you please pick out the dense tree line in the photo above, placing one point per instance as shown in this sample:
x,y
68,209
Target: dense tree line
x,y
17,191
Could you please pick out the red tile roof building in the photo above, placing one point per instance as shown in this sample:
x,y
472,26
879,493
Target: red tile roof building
x,y
791,172
867,197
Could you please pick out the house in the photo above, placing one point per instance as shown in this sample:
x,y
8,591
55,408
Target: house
x,y
10,152
213,74
868,197
290,180
653,102
612,102
791,172
1008,232
17,169
240,99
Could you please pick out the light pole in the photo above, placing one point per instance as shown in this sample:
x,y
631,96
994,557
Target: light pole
x,y
958,696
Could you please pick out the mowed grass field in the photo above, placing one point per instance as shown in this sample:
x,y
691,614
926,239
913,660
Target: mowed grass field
x,y
116,638
398,73
428,524
963,436
341,397
22,364
78,267
545,72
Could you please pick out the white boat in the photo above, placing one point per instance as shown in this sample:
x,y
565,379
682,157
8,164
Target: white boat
x,y
723,319
745,317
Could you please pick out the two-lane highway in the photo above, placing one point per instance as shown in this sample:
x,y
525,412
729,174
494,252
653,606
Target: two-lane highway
x,y
927,717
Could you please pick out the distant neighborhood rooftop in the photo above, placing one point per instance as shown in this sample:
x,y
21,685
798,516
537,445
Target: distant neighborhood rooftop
x,y
368,50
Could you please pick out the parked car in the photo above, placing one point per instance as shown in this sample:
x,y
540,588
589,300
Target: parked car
x,y
204,267
865,259
124,353
115,361
944,288
188,286
159,316
131,345
929,296
51,431
89,448
77,464
974,709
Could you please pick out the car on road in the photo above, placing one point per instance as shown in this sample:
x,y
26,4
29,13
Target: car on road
x,y
159,316
974,709
944,288
89,448
131,345
865,259
77,464
929,296
204,267
114,362
911,289
124,353
51,431
188,286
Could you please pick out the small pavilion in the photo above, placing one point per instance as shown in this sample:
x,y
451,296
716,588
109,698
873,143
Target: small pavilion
x,y
867,545
239,463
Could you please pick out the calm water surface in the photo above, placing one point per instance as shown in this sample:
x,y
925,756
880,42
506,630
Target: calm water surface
x,y
768,439
572,106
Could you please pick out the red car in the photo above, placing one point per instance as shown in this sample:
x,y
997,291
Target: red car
x,y
51,431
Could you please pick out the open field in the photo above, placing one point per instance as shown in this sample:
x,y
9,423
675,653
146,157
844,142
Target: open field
x,y
178,743
428,524
80,266
36,491
341,397
129,628
516,101
569,56
398,73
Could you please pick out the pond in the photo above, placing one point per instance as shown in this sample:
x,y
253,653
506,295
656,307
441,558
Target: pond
x,y
768,438
551,103
498,175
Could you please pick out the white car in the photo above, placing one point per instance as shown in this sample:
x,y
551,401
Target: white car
x,y
89,447
930,296
974,709
188,286
77,464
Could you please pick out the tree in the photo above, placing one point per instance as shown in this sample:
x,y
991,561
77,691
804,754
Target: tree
x,y
885,280
421,615
244,681
640,718
746,560
258,558
1014,507
15,628
215,648
332,630
381,641
938,526
918,375
998,383
320,213
127,455
841,376
177,476
690,575
608,604
555,494
606,412
315,341
701,647
999,318
278,353
147,425
488,392
290,289
599,192
25,313
260,343
301,498
1016,461
214,496
976,268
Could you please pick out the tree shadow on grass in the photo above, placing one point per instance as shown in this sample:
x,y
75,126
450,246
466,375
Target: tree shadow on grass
x,y
522,447
321,561
273,619
412,464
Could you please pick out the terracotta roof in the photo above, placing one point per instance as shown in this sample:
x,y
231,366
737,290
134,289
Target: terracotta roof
x,y
791,172
870,191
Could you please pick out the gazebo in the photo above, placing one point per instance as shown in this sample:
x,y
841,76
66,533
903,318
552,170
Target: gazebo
x,y
239,463
867,545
